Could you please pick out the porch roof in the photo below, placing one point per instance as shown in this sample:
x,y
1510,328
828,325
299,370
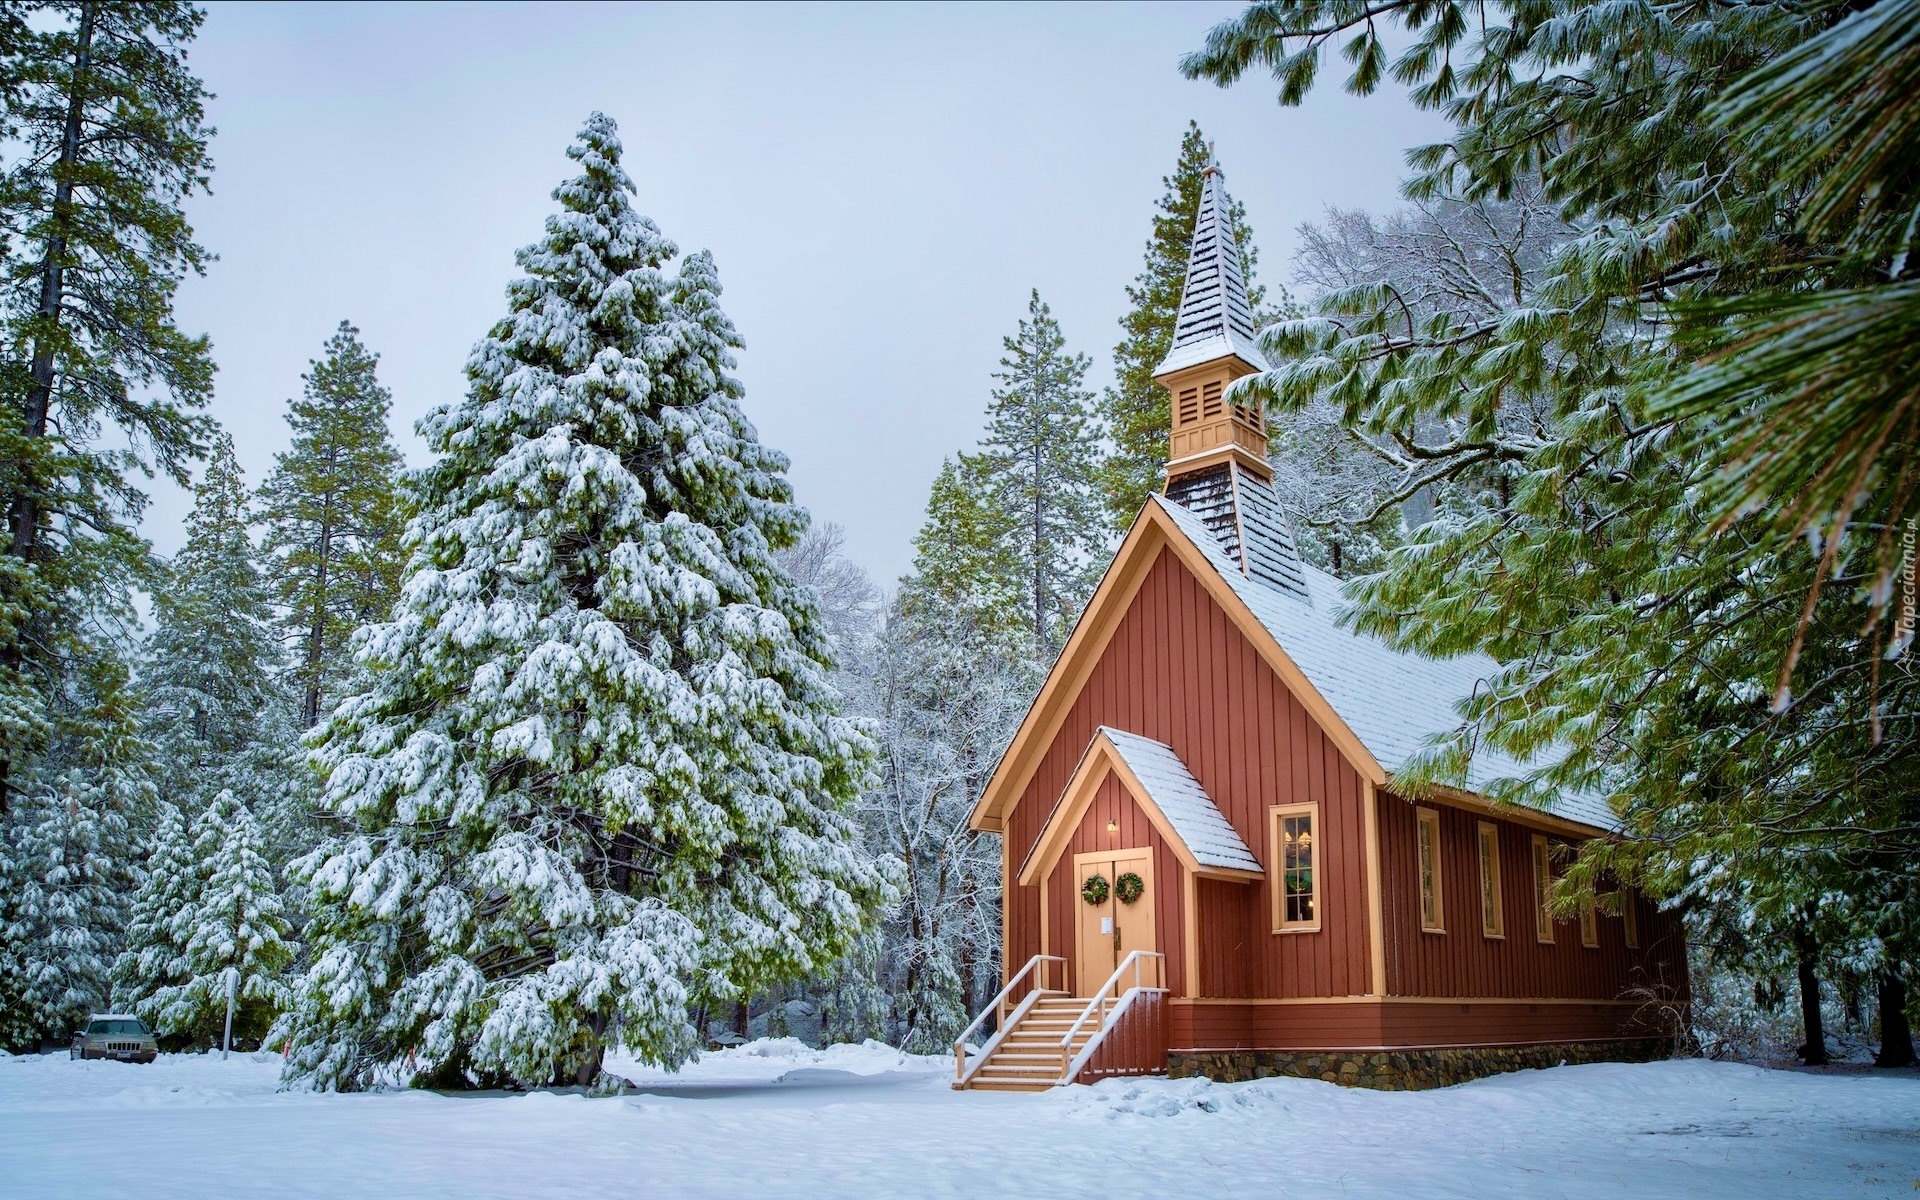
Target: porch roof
x,y
1195,818
1204,841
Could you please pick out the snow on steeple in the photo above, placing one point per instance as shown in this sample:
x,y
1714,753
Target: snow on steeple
x,y
1212,348
1217,465
1216,318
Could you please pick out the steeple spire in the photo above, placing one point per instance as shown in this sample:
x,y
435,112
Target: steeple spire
x,y
1216,318
1213,345
1217,460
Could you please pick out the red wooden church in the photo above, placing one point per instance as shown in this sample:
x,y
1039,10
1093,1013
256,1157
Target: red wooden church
x,y
1205,865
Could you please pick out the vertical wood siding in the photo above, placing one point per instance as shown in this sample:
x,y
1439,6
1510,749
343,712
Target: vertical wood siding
x,y
1136,1044
1231,930
1464,962
1178,671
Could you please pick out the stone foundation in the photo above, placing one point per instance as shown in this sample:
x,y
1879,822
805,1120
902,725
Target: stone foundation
x,y
1403,1070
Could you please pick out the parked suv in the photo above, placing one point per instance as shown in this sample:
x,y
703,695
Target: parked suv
x,y
121,1036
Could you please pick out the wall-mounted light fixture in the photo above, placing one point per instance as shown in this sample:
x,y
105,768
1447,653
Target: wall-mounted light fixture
x,y
1113,826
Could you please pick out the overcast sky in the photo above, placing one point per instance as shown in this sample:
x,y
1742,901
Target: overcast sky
x,y
880,187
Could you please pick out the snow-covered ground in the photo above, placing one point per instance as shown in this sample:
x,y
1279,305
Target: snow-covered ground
x,y
776,1119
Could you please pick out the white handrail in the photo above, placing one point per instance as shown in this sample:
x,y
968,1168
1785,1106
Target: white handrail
x,y
967,1070
1099,998
998,1004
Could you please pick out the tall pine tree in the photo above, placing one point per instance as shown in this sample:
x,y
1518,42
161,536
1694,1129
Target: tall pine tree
x,y
600,771
97,385
964,572
1040,459
111,134
75,866
1135,408
332,512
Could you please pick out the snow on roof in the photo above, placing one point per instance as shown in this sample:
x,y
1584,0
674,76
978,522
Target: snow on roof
x,y
1214,347
1394,701
1272,556
1178,795
1216,318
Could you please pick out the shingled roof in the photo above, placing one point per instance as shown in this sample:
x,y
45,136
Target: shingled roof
x,y
1245,517
1396,702
1216,318
1178,795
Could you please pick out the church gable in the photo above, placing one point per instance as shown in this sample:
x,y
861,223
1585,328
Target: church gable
x,y
1177,669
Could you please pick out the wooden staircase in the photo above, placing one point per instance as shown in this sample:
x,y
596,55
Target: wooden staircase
x,y
1029,1058
1048,1037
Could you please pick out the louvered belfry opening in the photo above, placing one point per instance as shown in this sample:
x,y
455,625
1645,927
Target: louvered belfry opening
x,y
1217,457
1213,345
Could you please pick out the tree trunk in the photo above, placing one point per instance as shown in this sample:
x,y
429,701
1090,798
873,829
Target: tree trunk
x,y
1806,946
1039,567
1896,1035
317,634
24,517
740,1016
588,1072
620,863
23,508
966,977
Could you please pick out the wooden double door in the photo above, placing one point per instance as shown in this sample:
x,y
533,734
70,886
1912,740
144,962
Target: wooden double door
x,y
1111,929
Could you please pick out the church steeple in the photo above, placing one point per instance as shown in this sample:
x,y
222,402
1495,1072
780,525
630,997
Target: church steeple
x,y
1213,345
1217,463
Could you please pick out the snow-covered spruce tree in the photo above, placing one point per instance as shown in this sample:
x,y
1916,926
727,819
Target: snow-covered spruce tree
x,y
154,957
600,770
71,838
853,1000
213,700
234,923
